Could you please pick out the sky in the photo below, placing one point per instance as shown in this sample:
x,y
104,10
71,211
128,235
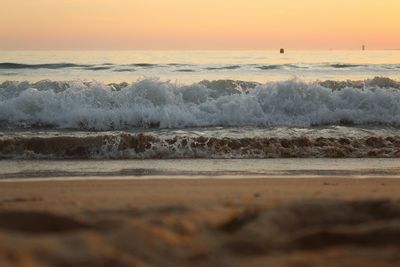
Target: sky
x,y
199,24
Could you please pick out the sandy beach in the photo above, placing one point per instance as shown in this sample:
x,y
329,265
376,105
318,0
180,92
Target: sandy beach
x,y
200,222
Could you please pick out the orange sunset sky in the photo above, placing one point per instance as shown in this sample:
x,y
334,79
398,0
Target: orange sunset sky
x,y
199,24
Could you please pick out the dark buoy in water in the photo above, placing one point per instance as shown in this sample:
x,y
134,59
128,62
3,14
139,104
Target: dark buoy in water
x,y
282,51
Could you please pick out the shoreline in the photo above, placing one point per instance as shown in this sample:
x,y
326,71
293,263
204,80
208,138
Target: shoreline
x,y
183,177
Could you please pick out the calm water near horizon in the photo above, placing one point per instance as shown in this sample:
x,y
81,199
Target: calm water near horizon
x,y
194,66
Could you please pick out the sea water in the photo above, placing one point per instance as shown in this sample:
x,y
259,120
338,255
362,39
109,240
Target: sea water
x,y
199,105
194,66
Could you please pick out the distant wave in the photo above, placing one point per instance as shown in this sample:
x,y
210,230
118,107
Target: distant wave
x,y
197,67
98,68
154,103
269,67
282,66
7,65
231,67
143,65
179,64
342,66
124,70
186,70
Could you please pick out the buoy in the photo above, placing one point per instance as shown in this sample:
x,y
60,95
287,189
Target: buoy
x,y
282,51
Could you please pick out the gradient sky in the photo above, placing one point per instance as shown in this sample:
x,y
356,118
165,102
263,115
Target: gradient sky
x,y
199,24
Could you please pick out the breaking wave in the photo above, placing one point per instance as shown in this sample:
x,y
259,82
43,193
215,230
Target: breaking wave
x,y
125,145
155,103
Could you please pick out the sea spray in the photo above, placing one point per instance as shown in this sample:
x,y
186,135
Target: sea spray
x,y
154,103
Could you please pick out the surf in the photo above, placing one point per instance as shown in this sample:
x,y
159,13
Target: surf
x,y
226,103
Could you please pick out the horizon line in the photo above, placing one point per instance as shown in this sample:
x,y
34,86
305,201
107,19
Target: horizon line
x,y
188,50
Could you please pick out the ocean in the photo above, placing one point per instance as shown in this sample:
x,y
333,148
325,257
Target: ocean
x,y
208,110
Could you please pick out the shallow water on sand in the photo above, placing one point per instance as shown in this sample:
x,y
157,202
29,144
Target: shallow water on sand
x,y
198,168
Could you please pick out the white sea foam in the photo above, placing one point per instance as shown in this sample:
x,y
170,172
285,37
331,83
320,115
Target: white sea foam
x,y
151,102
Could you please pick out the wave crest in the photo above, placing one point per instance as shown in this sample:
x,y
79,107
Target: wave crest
x,y
154,103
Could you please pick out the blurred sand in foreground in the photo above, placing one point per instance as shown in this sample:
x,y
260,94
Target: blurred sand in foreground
x,y
201,222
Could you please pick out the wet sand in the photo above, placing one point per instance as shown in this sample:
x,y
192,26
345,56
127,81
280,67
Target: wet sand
x,y
201,222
